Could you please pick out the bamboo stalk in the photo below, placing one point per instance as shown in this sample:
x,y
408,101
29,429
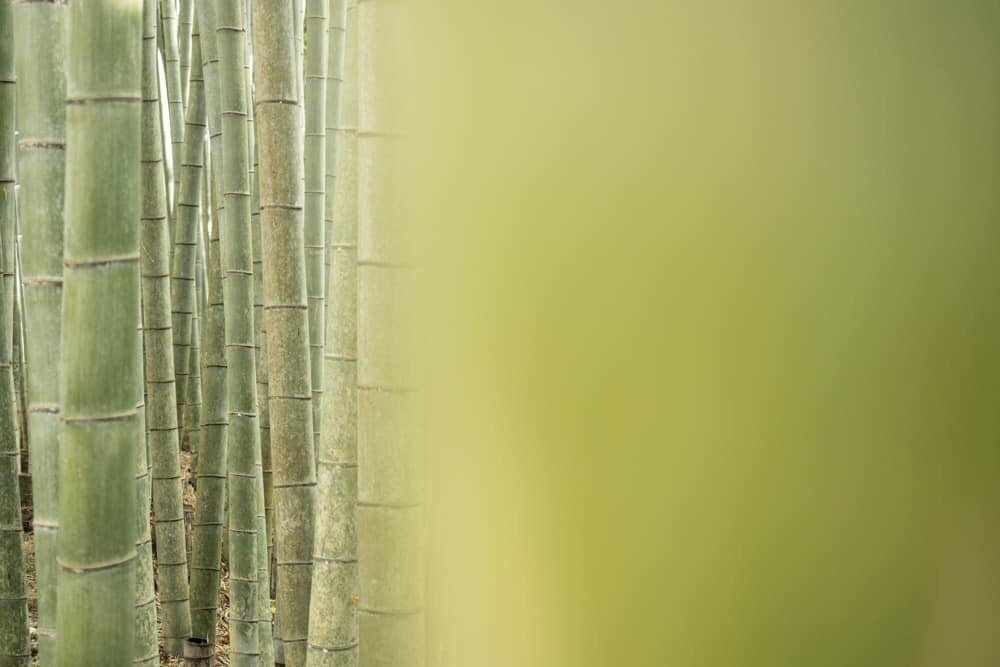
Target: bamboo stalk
x,y
186,233
175,101
286,314
162,419
147,650
237,259
209,522
41,103
389,514
333,618
97,557
317,18
185,27
15,647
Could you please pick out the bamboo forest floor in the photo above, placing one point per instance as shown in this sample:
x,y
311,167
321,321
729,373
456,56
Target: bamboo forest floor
x,y
222,629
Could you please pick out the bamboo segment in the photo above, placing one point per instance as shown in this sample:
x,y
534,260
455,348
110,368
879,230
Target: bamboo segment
x,y
334,79
390,492
41,103
147,649
97,582
237,261
333,622
198,653
175,102
265,628
15,648
317,17
186,232
209,520
161,395
286,314
185,28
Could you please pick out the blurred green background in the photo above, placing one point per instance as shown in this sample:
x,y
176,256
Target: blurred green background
x,y
712,324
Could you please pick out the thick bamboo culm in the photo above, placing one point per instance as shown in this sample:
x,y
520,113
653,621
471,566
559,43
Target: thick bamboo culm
x,y
41,155
390,514
286,315
15,648
161,395
333,624
198,653
99,354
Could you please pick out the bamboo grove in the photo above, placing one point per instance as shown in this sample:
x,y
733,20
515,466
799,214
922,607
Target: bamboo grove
x,y
206,418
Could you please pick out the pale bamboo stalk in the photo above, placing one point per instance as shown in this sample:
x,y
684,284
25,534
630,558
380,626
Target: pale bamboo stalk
x,y
15,648
390,495
97,556
162,419
286,314
333,618
237,260
185,27
41,104
147,649
317,18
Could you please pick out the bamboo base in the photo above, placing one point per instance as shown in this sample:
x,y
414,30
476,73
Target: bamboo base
x,y
198,653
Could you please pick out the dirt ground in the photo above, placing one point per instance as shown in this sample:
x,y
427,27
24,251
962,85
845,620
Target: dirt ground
x,y
222,629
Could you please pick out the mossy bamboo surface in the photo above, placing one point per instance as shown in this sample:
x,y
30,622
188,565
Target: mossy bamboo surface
x,y
185,28
186,233
15,649
286,314
391,619
97,556
333,624
237,261
175,101
41,104
147,648
317,18
209,521
161,405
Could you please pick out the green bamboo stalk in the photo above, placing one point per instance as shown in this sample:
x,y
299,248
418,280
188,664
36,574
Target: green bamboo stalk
x,y
186,232
15,648
41,104
192,410
175,102
185,26
147,650
389,515
237,261
286,313
162,418
97,557
334,78
265,628
317,17
209,520
333,618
